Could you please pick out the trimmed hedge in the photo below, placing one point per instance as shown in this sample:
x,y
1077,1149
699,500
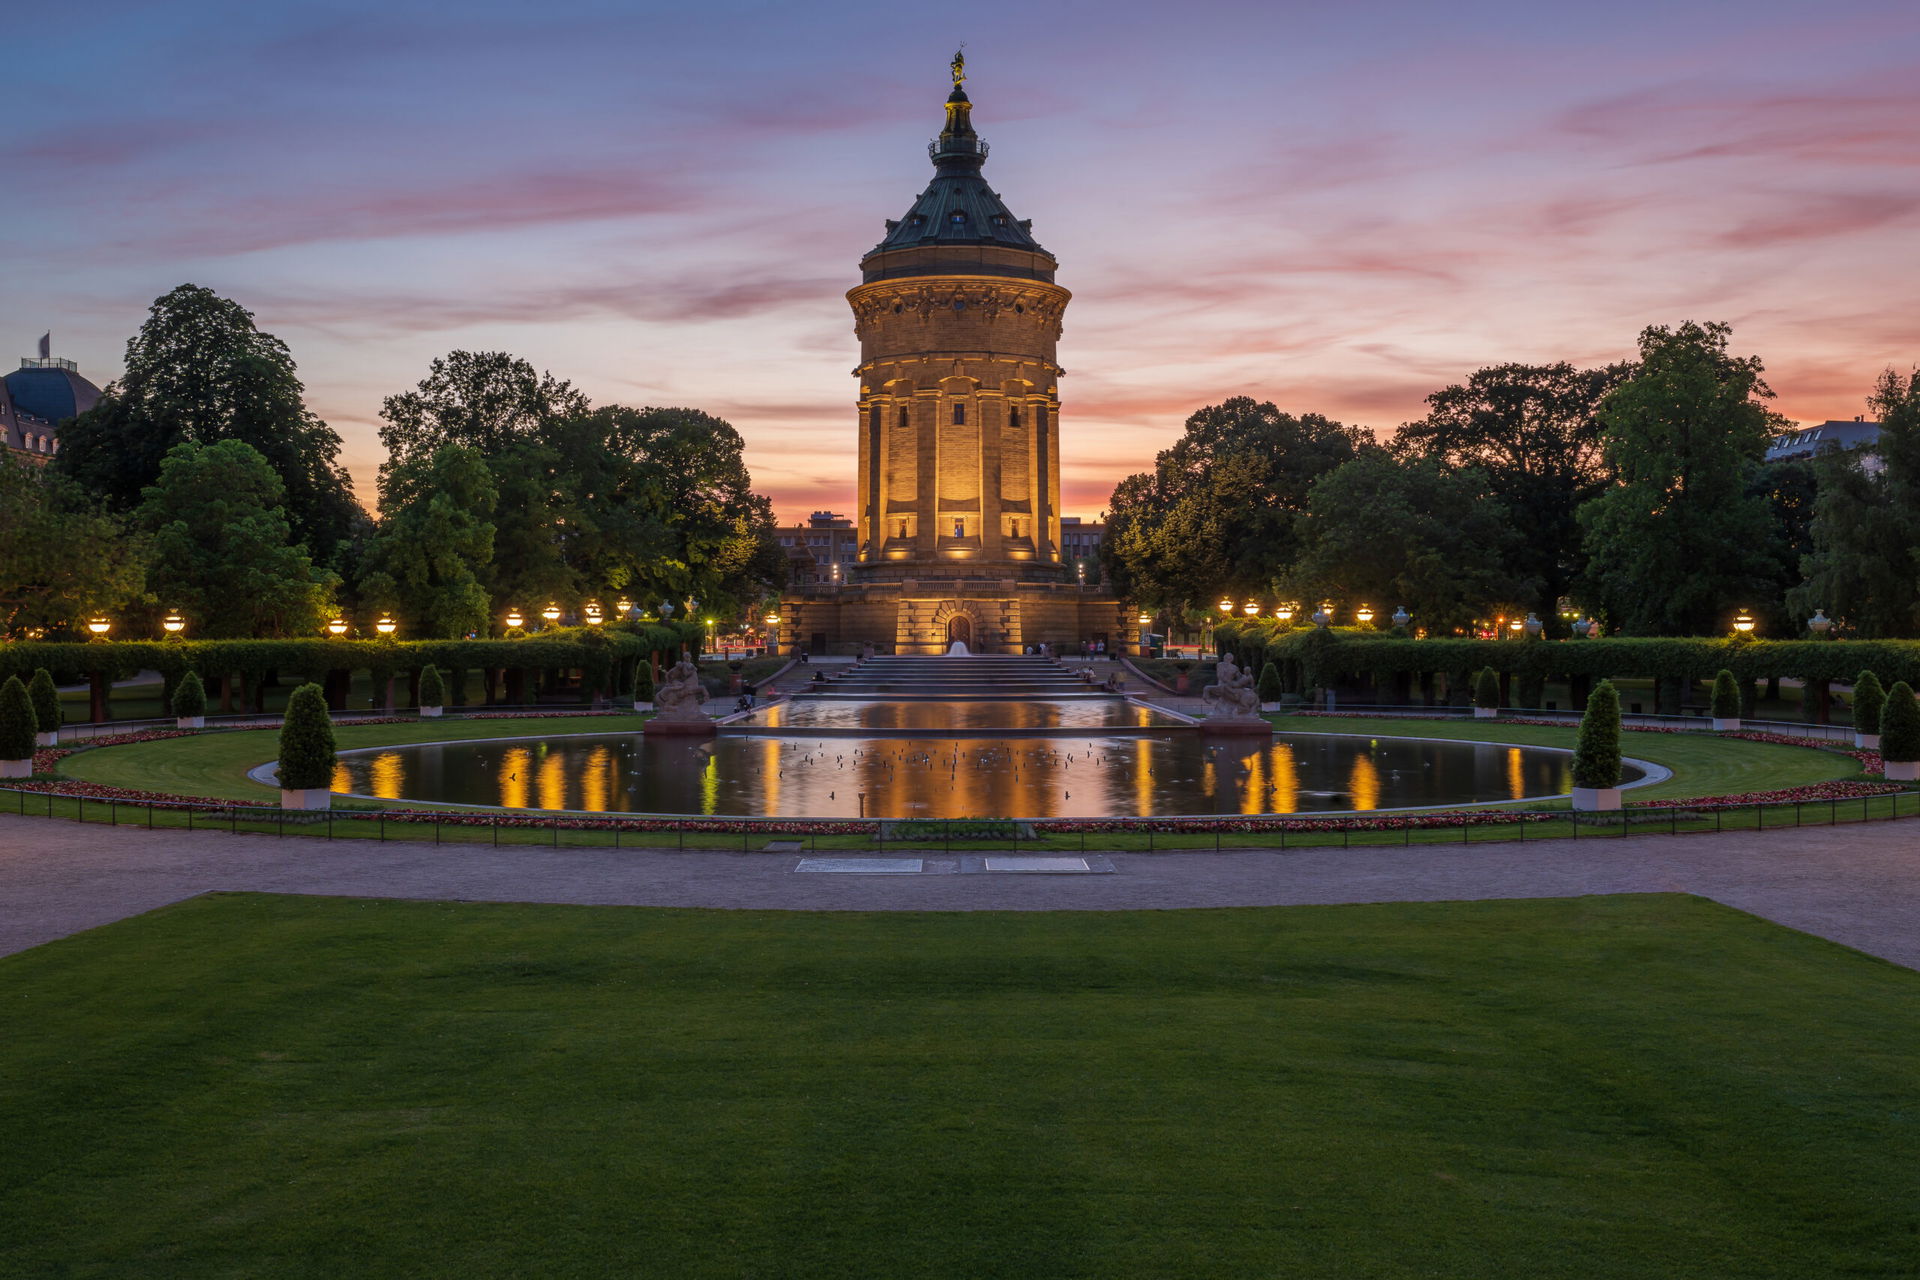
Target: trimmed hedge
x,y
189,696
1869,700
306,741
45,699
16,721
1596,752
1900,725
1335,653
432,692
1726,696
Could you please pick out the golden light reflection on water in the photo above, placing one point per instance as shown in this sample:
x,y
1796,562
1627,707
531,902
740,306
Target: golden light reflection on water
x,y
596,784
386,774
516,774
1516,774
1364,783
1286,780
550,776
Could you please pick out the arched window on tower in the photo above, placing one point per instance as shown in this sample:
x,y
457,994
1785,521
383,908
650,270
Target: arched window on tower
x,y
905,420
959,413
1013,417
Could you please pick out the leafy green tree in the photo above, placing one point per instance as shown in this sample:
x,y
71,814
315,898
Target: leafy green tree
x,y
306,741
17,722
199,371
45,699
61,558
1791,489
221,546
1864,566
1678,539
1596,750
1532,433
434,544
487,401
189,696
1217,513
1405,532
1726,696
1899,725
1869,701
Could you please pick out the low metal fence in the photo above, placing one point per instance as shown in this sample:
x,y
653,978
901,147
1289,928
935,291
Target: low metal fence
x,y
776,835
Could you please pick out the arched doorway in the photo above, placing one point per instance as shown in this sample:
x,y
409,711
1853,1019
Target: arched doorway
x,y
960,628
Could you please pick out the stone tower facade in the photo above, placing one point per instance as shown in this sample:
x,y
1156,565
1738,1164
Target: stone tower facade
x,y
958,482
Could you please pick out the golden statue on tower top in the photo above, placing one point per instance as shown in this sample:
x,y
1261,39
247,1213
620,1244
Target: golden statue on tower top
x,y
959,65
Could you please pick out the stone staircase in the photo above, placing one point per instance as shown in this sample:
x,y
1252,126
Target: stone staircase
x,y
981,677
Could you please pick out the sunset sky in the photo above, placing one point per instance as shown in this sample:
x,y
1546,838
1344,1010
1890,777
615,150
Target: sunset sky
x,y
1338,208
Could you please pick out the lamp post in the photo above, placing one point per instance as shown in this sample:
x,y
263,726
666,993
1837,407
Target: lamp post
x,y
337,628
514,620
1820,624
386,626
1251,609
99,625
173,624
1363,615
625,606
1226,607
1284,613
551,613
1743,623
592,613
1146,621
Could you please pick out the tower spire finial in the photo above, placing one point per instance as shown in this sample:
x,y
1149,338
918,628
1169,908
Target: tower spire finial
x,y
959,64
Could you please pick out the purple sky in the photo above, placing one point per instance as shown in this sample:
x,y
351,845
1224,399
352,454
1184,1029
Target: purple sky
x,y
1338,208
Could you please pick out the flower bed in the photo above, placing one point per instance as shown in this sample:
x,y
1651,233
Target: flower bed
x,y
1208,826
100,791
1786,795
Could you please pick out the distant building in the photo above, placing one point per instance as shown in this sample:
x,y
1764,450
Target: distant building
x,y
814,549
36,398
1080,544
1828,437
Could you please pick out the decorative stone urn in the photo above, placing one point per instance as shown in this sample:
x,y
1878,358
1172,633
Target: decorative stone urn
x,y
16,768
1900,770
430,712
306,798
1722,725
1596,799
189,722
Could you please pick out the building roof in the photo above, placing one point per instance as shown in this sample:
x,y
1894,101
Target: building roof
x,y
1835,434
51,391
958,209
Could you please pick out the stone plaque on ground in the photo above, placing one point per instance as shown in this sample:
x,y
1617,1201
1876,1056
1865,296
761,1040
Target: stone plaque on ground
x,y
1037,864
862,866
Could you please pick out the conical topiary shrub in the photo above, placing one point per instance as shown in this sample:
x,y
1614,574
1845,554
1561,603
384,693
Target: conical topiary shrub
x,y
643,686
1486,693
46,708
1726,700
433,694
306,750
190,702
1869,700
1269,686
1900,735
1596,752
17,728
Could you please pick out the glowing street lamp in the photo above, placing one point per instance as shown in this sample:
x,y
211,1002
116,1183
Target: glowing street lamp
x,y
337,627
593,615
1517,626
514,620
1284,613
625,606
1363,615
1252,609
173,624
99,626
386,626
551,613
1226,607
1743,623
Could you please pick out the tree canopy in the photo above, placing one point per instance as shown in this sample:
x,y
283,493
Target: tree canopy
x,y
434,544
62,559
199,371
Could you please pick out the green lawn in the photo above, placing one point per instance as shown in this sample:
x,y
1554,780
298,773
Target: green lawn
x,y
1652,1086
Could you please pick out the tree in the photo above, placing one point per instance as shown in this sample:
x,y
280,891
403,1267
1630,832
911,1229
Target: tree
x,y
433,692
1864,566
1217,513
486,401
434,543
221,546
17,722
306,741
1406,533
1270,687
61,559
189,697
199,371
1869,701
1532,433
1726,696
45,699
1596,750
1678,539
1899,726
1486,689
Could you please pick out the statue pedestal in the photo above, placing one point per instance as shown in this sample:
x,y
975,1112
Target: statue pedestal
x,y
658,728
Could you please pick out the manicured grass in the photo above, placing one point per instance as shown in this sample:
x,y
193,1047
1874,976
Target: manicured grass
x,y
1703,764
1601,1088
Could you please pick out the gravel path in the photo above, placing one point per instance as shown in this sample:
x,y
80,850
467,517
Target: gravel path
x,y
1857,885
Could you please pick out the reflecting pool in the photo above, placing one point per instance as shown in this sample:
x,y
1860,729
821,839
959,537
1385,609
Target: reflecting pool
x,y
1063,775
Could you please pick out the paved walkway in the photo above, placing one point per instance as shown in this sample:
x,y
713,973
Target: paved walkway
x,y
1857,885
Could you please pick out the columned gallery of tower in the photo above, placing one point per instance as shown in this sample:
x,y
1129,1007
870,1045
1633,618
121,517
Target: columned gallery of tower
x,y
958,483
